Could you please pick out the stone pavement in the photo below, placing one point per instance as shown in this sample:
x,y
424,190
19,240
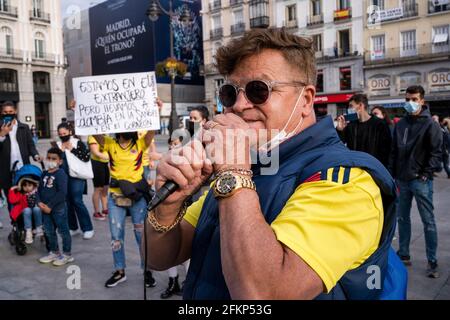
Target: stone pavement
x,y
25,278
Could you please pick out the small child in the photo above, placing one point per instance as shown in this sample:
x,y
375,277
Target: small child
x,y
24,198
52,193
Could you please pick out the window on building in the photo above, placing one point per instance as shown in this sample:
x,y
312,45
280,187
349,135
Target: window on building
x,y
39,46
345,78
8,80
37,8
215,47
408,45
441,39
344,42
4,5
316,7
238,16
344,4
317,42
291,13
409,5
6,40
215,21
319,85
378,3
378,47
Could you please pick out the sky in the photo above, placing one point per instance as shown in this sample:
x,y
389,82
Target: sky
x,y
83,4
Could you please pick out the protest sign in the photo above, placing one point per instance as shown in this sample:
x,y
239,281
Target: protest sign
x,y
116,103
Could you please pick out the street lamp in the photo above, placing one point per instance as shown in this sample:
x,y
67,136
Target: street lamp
x,y
154,11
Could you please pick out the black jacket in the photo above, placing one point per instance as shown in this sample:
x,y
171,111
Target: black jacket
x,y
27,150
417,147
373,137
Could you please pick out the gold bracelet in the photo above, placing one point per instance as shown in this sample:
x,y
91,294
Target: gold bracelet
x,y
240,171
161,228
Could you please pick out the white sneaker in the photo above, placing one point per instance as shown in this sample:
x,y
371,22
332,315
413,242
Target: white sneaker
x,y
75,232
39,232
29,237
49,258
88,235
62,260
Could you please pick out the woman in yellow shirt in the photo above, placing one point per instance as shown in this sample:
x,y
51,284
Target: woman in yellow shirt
x,y
100,166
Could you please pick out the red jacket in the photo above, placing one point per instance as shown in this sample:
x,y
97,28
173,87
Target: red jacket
x,y
19,201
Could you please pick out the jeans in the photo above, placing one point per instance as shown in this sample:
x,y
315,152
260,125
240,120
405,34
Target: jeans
x,y
423,192
76,205
117,217
58,220
29,214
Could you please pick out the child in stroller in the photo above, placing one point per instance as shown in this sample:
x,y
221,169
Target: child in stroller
x,y
23,197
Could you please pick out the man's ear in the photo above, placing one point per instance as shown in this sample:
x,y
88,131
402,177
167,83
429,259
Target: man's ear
x,y
309,95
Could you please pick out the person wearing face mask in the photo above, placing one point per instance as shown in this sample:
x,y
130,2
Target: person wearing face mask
x,y
368,134
77,212
416,156
197,118
307,229
16,145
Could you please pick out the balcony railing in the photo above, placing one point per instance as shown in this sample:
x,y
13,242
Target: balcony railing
x,y
238,28
216,33
394,55
236,2
342,14
215,5
290,24
8,87
42,88
260,22
38,15
9,11
44,57
337,53
434,8
7,54
316,20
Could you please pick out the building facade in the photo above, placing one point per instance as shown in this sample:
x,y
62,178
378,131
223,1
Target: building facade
x,y
224,20
336,28
32,64
407,43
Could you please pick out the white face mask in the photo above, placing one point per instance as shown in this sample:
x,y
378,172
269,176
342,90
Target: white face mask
x,y
50,165
283,135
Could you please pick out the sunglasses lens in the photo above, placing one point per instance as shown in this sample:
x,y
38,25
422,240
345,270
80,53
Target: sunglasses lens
x,y
257,92
227,95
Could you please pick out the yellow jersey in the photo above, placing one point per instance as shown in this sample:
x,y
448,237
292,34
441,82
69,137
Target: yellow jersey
x,y
125,163
333,224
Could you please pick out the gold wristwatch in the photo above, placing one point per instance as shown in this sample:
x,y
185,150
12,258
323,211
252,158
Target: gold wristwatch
x,y
227,184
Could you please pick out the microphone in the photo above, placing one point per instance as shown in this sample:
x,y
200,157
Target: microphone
x,y
162,194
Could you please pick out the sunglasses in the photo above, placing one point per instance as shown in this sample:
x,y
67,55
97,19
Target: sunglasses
x,y
256,91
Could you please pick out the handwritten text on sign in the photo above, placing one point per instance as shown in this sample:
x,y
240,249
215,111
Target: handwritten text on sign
x,y
116,103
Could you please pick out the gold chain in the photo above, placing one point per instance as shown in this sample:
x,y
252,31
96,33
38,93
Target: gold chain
x,y
161,228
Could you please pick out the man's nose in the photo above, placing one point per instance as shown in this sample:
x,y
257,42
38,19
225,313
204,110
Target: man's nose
x,y
241,103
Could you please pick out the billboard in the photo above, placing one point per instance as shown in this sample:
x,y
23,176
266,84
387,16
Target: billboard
x,y
124,40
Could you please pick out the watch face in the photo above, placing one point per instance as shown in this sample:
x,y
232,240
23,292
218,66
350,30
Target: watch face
x,y
226,184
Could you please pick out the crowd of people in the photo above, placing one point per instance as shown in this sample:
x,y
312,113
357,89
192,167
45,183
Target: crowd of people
x,y
239,233
54,203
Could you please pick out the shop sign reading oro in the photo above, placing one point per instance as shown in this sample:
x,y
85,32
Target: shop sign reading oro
x,y
380,85
439,80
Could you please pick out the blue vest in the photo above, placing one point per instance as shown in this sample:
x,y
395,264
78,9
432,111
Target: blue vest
x,y
315,149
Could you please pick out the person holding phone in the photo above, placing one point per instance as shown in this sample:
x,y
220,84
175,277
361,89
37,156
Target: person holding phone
x,y
362,132
16,144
